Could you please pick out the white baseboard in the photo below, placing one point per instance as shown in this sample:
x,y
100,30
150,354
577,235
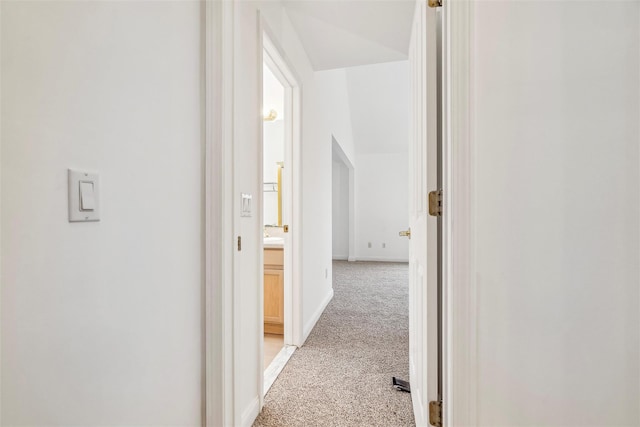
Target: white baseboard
x,y
250,413
380,259
314,319
351,259
340,258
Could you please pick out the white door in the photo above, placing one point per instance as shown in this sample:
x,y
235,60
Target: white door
x,y
423,248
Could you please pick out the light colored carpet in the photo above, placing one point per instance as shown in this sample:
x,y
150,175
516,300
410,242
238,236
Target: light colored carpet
x,y
342,375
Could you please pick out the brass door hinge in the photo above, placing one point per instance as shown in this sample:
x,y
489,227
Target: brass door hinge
x,y
239,243
435,203
435,3
435,413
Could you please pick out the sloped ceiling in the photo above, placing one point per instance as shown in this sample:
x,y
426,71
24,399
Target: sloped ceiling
x,y
346,33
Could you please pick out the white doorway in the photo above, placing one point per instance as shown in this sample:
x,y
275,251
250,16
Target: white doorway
x,y
343,204
280,212
272,206
250,341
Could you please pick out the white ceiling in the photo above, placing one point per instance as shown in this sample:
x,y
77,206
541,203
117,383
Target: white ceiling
x,y
346,33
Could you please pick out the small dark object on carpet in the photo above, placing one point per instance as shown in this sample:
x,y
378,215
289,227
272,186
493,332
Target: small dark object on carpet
x,y
401,385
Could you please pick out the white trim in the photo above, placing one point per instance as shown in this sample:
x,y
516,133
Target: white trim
x,y
353,224
251,413
340,258
259,360
228,207
276,366
213,320
337,149
308,327
459,280
218,407
0,208
218,330
379,259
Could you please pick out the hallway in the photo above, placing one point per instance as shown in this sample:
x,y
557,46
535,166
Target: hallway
x,y
342,375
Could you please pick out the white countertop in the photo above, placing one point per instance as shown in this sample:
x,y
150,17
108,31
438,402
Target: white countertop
x,y
274,242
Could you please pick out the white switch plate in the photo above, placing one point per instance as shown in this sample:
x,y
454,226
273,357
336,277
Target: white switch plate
x,y
76,213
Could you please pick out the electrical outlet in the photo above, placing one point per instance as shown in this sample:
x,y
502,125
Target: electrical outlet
x,y
369,244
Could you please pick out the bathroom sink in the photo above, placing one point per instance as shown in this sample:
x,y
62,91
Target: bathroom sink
x,y
274,242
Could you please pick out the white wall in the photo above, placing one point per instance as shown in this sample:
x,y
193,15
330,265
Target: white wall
x,y
340,210
556,138
334,92
379,101
246,140
101,322
379,104
382,207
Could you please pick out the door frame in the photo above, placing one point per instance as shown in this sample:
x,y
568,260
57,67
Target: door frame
x,y
459,206
337,148
218,406
459,279
273,55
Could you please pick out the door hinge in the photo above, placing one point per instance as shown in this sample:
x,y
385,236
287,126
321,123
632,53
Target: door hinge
x,y
239,243
435,3
435,413
435,203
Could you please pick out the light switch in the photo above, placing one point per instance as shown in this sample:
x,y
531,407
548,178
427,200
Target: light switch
x,y
87,197
245,204
84,196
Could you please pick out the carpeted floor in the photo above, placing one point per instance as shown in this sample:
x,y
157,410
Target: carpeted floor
x,y
342,375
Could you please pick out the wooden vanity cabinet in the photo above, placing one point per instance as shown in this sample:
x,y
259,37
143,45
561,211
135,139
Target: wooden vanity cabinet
x,y
274,291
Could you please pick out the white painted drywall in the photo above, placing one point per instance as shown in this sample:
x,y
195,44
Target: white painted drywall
x,y
317,129
316,197
379,101
340,210
102,322
247,132
379,110
382,198
556,146
335,102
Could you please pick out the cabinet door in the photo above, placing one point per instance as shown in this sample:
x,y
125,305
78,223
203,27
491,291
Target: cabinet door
x,y
274,296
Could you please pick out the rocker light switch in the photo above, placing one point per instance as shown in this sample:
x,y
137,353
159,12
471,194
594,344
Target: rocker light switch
x,y
84,196
87,198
